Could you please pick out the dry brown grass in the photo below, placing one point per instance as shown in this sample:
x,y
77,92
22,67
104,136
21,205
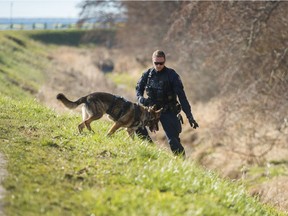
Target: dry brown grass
x,y
273,191
75,73
228,141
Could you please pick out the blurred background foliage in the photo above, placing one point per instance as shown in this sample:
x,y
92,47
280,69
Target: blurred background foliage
x,y
222,46
232,56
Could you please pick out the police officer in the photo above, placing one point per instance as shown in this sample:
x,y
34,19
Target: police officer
x,y
163,85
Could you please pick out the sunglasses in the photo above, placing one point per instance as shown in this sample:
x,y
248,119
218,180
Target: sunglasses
x,y
159,63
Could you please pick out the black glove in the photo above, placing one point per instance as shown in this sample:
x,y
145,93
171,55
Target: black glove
x,y
193,123
144,101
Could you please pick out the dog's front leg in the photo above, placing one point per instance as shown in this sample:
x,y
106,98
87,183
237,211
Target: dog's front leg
x,y
115,127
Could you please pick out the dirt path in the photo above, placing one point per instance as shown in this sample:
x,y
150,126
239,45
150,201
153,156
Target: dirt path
x,y
3,173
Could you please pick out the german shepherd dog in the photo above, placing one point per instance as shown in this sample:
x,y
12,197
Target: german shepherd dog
x,y
123,112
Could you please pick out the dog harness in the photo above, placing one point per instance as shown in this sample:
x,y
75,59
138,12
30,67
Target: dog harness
x,y
123,110
137,113
125,106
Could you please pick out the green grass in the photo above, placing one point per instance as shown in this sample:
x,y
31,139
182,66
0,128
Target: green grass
x,y
53,170
22,64
74,37
123,79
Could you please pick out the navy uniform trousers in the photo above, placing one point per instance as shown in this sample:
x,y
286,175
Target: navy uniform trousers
x,y
172,128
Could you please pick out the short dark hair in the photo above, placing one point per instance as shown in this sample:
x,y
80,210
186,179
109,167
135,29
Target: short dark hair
x,y
158,53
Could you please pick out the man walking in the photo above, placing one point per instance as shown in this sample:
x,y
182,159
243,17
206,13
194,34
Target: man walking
x,y
163,86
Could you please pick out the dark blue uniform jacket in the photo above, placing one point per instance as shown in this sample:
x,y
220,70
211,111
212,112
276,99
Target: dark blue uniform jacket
x,y
159,86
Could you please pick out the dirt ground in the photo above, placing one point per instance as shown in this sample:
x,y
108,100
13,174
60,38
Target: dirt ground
x,y
75,73
3,173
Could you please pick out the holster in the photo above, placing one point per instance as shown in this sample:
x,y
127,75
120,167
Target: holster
x,y
180,118
175,108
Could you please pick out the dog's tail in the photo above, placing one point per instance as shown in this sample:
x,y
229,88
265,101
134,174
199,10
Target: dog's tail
x,y
70,104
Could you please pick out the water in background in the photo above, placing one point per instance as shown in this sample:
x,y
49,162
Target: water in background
x,y
37,23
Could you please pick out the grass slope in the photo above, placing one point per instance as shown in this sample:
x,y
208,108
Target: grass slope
x,y
55,171
22,63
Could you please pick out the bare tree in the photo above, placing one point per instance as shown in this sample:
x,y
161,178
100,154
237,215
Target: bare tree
x,y
106,12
